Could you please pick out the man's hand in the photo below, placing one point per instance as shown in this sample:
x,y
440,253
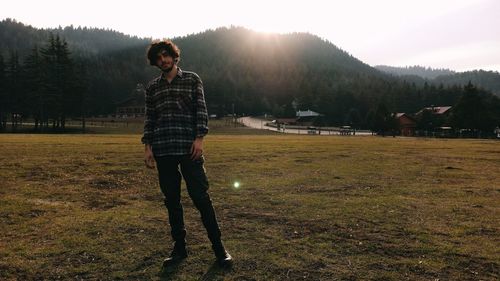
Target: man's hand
x,y
149,159
197,148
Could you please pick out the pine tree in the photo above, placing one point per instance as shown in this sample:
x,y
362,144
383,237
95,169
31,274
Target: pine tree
x,y
382,119
14,94
3,89
471,113
59,83
80,98
33,77
50,87
353,118
66,80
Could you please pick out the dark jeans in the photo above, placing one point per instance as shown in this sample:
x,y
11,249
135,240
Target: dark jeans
x,y
197,186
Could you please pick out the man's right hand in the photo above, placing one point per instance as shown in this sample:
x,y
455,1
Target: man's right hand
x,y
149,159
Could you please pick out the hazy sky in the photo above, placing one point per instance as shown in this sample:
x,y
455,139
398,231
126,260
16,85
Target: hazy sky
x,y
456,34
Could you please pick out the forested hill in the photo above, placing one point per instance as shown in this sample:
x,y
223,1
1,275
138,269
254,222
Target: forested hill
x,y
113,62
83,40
489,80
267,72
256,72
424,72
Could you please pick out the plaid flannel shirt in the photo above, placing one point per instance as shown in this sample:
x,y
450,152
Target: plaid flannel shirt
x,y
176,114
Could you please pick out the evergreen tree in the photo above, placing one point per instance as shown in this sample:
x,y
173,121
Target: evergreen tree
x,y
353,118
471,113
382,119
60,89
370,120
426,121
80,88
68,103
3,98
50,83
33,77
15,98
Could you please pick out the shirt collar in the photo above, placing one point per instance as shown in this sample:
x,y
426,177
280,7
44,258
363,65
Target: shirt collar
x,y
180,74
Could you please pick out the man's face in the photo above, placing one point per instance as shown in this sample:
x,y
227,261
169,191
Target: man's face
x,y
164,61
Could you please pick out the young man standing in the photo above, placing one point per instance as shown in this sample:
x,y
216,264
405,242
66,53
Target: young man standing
x,y
174,127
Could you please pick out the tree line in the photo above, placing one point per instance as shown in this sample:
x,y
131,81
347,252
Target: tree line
x,y
47,85
476,111
242,70
488,80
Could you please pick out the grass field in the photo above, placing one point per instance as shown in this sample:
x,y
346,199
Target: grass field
x,y
309,208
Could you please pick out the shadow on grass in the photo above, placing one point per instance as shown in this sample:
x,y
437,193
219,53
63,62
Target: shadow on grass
x,y
167,273
214,272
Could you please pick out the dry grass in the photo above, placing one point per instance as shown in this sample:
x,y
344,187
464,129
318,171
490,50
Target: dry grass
x,y
309,208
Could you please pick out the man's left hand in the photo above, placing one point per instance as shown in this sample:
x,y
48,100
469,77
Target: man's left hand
x,y
197,149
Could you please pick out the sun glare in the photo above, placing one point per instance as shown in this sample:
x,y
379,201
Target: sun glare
x,y
269,30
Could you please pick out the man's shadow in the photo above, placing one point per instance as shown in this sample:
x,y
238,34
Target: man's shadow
x,y
167,273
214,272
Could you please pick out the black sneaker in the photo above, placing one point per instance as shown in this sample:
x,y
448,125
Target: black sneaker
x,y
224,259
178,254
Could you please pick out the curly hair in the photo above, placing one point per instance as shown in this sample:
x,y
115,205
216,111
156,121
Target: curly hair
x,y
156,47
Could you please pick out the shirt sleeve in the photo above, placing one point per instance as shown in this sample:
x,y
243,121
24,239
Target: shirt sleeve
x,y
201,109
150,118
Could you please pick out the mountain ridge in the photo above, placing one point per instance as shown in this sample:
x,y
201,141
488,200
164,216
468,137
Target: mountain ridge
x,y
252,72
489,80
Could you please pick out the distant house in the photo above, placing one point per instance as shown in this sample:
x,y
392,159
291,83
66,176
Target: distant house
x,y
406,123
435,110
133,106
432,117
307,117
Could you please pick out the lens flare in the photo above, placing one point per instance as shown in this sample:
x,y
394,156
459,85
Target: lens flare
x,y
236,184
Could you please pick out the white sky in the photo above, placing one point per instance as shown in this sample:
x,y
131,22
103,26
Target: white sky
x,y
456,34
